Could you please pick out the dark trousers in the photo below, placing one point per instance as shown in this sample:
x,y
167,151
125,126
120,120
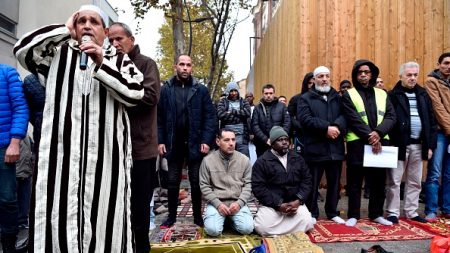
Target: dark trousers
x,y
333,173
261,147
376,178
142,185
8,197
175,164
23,199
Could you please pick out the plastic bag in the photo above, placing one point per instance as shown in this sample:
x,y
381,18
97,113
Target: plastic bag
x,y
440,244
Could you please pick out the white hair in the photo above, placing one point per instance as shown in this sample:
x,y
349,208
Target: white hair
x,y
411,64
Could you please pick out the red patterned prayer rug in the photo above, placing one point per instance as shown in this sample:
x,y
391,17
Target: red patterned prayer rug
x,y
365,230
185,210
440,227
178,233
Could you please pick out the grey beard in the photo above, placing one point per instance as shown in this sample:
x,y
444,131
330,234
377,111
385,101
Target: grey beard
x,y
323,89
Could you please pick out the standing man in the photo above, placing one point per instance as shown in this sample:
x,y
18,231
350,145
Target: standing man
x,y
415,136
85,148
324,127
14,124
268,113
281,182
187,122
437,85
370,116
225,181
234,112
144,134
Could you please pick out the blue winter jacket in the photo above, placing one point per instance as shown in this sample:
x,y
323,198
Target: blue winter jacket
x,y
13,106
202,118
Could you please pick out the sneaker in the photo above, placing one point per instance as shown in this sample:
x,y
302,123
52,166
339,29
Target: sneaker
x,y
168,223
392,219
419,219
431,217
382,221
199,222
338,220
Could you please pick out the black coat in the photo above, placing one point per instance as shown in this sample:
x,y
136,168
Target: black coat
x,y
400,134
316,114
201,115
273,185
263,121
355,149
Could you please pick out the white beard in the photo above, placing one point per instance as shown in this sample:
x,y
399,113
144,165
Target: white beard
x,y
323,89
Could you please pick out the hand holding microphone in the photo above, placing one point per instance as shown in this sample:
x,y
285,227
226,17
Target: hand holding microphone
x,y
91,49
84,56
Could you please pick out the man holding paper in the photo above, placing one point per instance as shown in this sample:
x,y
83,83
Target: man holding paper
x,y
415,136
370,116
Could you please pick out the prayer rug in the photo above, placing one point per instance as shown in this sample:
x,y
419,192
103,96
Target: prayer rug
x,y
185,210
178,233
296,242
236,244
440,227
365,230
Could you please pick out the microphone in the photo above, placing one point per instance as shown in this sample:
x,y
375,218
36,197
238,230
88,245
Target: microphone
x,y
84,57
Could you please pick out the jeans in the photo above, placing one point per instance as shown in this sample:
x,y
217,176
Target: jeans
x,y
8,197
242,221
438,166
23,199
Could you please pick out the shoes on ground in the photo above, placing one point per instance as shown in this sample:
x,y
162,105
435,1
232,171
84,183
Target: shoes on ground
x,y
199,221
393,219
375,249
419,219
382,221
431,217
168,223
338,220
351,222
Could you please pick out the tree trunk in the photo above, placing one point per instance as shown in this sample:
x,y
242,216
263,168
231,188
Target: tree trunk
x,y
177,26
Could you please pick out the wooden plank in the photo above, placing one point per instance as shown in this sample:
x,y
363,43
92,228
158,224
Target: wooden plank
x,y
429,61
369,12
321,34
401,32
314,33
393,40
410,52
446,26
419,38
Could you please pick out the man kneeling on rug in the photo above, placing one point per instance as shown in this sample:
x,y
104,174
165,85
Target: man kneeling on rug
x,y
281,182
225,182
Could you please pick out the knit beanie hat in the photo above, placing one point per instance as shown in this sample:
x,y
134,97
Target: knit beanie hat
x,y
276,132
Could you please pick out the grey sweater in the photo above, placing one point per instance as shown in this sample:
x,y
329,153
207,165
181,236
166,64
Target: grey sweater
x,y
226,181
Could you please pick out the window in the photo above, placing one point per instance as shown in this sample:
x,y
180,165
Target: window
x,y
7,25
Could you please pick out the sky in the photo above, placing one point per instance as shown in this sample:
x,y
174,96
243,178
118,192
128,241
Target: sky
x,y
238,51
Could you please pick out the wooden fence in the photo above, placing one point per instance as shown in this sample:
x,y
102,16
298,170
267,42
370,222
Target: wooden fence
x,y
305,34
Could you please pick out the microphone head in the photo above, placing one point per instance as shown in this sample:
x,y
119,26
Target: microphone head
x,y
86,38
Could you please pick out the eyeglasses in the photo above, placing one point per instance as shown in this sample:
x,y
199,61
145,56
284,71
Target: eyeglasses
x,y
366,72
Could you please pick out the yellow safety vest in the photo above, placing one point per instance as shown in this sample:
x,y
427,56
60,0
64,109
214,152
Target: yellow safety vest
x,y
380,99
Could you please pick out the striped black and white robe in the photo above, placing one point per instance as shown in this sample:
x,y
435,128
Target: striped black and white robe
x,y
82,189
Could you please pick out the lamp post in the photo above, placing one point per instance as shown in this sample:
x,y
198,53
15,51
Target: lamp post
x,y
250,44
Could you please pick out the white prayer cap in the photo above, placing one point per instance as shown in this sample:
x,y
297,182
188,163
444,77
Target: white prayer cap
x,y
90,7
321,69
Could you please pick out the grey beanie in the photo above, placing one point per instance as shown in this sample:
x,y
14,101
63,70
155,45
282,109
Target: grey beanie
x,y
276,132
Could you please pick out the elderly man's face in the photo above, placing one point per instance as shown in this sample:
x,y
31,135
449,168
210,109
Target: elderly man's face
x,y
226,142
120,39
322,82
409,77
364,74
90,23
281,145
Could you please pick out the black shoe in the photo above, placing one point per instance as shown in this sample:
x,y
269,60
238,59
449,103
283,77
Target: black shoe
x,y
375,249
419,219
9,243
199,221
22,246
168,223
392,219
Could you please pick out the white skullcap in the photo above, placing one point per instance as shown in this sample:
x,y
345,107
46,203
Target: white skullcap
x,y
321,69
94,8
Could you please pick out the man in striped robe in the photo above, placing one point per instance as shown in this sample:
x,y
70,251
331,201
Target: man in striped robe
x,y
82,188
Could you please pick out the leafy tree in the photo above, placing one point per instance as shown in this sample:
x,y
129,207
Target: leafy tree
x,y
219,16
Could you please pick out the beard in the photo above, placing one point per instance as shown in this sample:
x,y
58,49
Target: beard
x,y
323,89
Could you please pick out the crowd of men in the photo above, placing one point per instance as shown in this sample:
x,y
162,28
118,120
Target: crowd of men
x,y
105,119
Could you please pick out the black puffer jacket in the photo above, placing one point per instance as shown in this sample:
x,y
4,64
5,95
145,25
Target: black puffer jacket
x,y
266,115
400,134
273,185
355,149
316,114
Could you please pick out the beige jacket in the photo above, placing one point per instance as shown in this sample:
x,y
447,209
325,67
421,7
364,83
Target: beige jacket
x,y
439,92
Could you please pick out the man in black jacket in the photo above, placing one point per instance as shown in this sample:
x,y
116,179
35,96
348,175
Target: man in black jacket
x,y
144,135
187,123
268,113
370,116
415,136
281,182
324,127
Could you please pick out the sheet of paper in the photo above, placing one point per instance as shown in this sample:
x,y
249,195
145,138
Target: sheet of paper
x,y
388,157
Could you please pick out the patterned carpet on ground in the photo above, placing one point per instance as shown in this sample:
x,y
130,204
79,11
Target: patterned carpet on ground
x,y
365,230
185,210
441,227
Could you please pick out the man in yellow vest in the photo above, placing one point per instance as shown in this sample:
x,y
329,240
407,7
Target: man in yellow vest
x,y
370,116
